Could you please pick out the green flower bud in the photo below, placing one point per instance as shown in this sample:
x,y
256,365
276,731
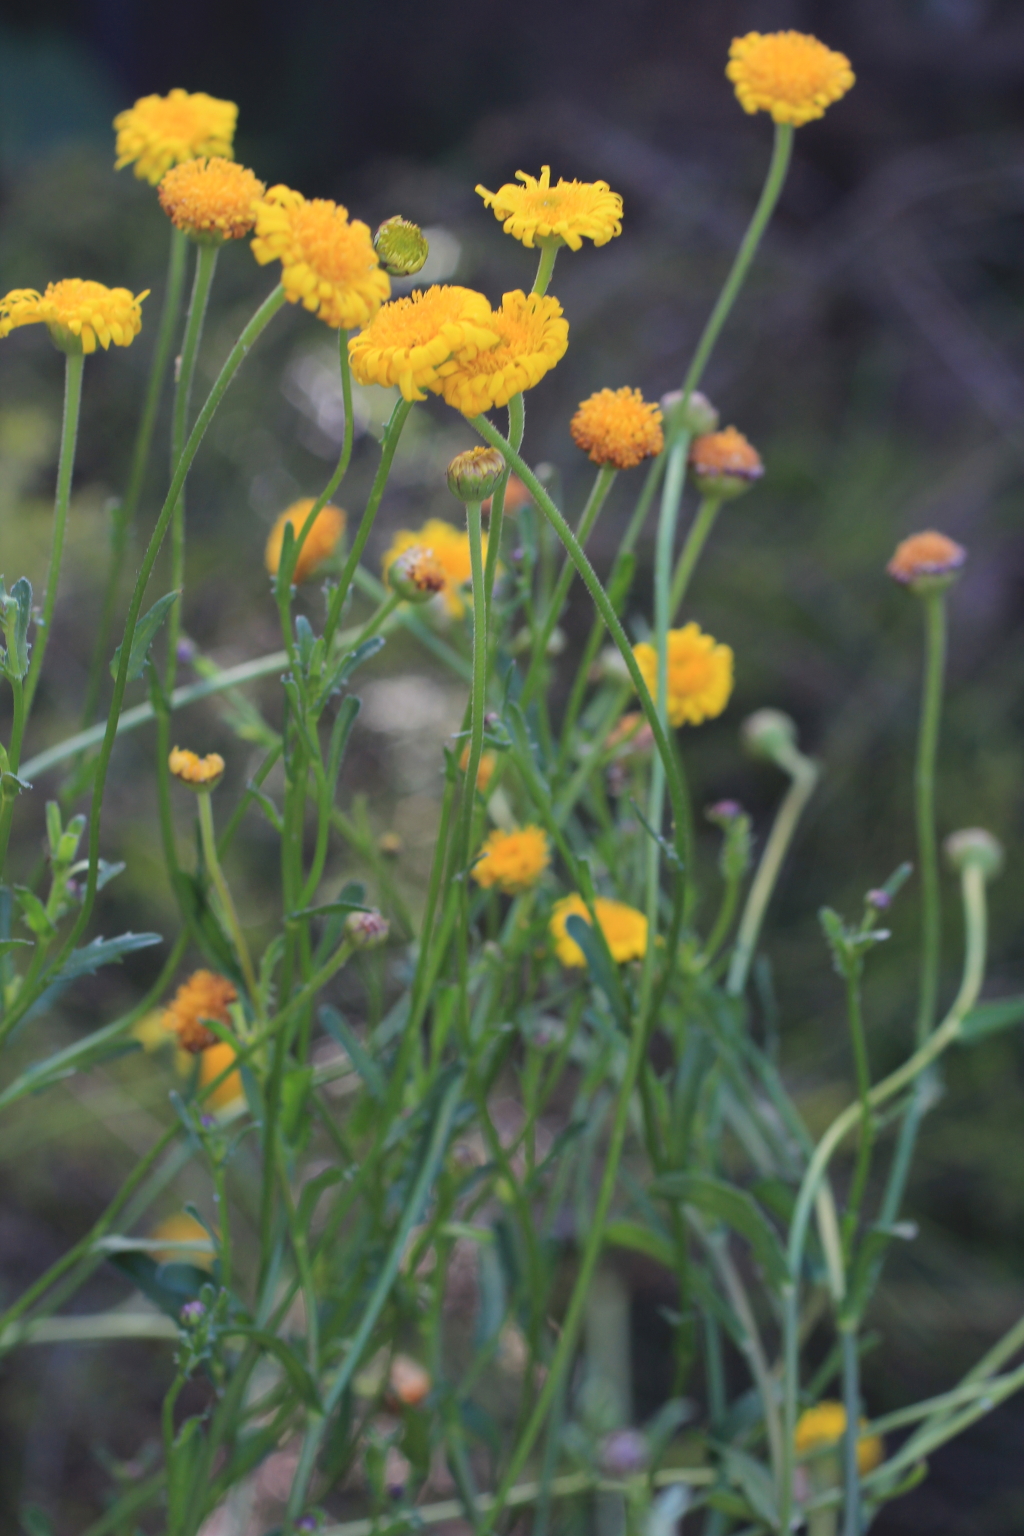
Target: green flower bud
x,y
975,846
366,929
699,416
474,475
768,733
417,574
401,247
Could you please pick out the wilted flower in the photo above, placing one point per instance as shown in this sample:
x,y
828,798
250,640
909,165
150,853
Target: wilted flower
x,y
205,995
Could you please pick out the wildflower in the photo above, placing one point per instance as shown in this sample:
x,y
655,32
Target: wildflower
x,y
926,561
450,548
328,263
485,768
789,74
699,674
79,313
197,772
825,1425
513,861
183,1228
724,464
417,575
366,929
161,131
413,340
205,995
211,200
401,246
212,1062
568,212
408,1381
724,812
321,540
618,427
192,1313
532,337
624,929
975,846
473,475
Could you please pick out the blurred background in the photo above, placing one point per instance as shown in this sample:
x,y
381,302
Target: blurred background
x,y
877,361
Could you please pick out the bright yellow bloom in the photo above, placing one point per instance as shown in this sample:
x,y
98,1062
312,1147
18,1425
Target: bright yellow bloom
x,y
624,929
513,861
211,199
195,771
789,74
568,212
699,674
205,995
532,336
825,1425
212,1062
321,540
412,341
78,313
450,547
183,1228
328,263
618,427
161,131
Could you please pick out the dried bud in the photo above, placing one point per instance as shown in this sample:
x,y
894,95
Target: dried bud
x,y
366,929
926,562
198,773
724,464
624,1453
699,417
975,846
473,475
417,574
768,733
401,246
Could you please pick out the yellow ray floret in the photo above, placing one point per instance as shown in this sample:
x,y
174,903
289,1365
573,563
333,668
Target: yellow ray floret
x,y
789,74
512,861
825,1425
78,313
624,929
449,546
568,212
321,540
328,263
618,427
212,1062
161,131
532,337
699,674
413,341
215,198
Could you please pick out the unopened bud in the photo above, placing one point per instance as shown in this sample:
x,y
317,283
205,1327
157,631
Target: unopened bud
x,y
408,1381
723,812
699,416
389,844
975,846
926,562
366,929
624,1453
417,574
724,464
401,246
191,1313
878,899
473,475
768,733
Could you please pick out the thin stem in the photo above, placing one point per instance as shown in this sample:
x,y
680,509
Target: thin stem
x,y
924,808
549,248
478,694
691,551
220,885
851,1402
858,1040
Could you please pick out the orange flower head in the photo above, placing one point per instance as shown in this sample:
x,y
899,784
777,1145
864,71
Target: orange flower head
x,y
211,200
512,861
516,496
700,674
200,773
181,1228
789,74
926,561
408,1382
624,929
321,540
414,341
328,263
618,427
161,131
724,464
485,768
205,995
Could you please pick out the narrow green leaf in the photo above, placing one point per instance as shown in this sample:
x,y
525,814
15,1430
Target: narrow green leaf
x,y
145,634
630,1234
345,1036
725,1202
988,1018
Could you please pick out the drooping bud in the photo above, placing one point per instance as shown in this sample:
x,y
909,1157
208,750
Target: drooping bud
x,y
724,464
975,846
417,574
473,475
768,733
927,562
366,929
698,418
401,246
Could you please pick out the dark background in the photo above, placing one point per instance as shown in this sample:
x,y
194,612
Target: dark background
x,y
876,358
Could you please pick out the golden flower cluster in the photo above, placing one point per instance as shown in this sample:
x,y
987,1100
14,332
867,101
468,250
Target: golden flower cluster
x,y
789,74
205,995
618,427
568,212
78,313
512,861
328,263
211,199
161,131
195,771
450,548
624,929
321,540
700,674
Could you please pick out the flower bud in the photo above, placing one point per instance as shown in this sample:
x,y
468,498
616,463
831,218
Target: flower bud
x,y
417,574
401,246
699,416
389,844
724,464
191,1313
408,1381
723,812
975,846
926,562
198,773
366,930
768,733
473,475
624,1453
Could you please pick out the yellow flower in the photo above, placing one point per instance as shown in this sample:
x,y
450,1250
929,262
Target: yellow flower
x,y
412,341
789,74
699,674
825,1425
449,546
618,427
624,929
532,336
513,861
328,263
485,769
183,1228
161,131
205,995
211,199
212,1062
195,771
321,540
78,313
568,212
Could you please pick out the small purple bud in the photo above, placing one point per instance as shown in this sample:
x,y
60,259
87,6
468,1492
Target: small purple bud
x,y
185,650
723,811
396,1490
208,1122
491,718
518,553
879,900
366,929
623,1453
192,1312
307,1523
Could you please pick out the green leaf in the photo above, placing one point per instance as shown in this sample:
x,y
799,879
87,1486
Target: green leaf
x,y
16,608
204,926
343,1034
168,1286
736,1208
754,1481
34,913
89,959
344,668
600,966
988,1018
630,1234
340,905
294,1095
295,1370
145,634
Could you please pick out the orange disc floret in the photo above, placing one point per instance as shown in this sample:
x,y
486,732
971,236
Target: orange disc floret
x,y
485,768
512,861
211,199
79,313
205,995
825,1425
624,929
328,263
618,427
450,548
161,131
789,74
700,674
724,463
568,212
413,341
417,574
321,540
532,337
214,1061
195,771
925,554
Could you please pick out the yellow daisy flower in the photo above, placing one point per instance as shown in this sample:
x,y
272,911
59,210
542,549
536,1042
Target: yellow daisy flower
x,y
328,263
321,540
78,313
624,929
512,861
532,337
412,342
449,546
699,674
789,74
825,1424
161,131
568,212
211,200
618,427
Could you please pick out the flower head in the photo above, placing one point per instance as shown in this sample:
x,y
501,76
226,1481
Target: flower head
x,y
624,929
724,463
789,74
401,246
78,313
568,212
366,930
328,263
408,1381
179,1229
825,1425
212,1062
513,861
195,771
450,548
161,131
321,540
532,337
926,560
417,574
485,768
211,200
699,674
474,474
618,427
205,995
412,341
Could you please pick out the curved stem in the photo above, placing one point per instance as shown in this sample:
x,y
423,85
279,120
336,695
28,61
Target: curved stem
x,y
691,551
549,248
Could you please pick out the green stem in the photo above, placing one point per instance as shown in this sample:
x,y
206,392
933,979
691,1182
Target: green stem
x,y
924,808
860,1056
478,695
691,551
851,1401
549,248
220,885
